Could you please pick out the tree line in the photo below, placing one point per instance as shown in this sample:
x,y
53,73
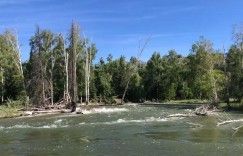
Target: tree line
x,y
61,70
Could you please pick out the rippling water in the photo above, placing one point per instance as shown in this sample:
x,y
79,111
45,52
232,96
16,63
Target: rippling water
x,y
123,130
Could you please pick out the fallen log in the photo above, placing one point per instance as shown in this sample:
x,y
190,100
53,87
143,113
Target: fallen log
x,y
229,121
179,115
201,111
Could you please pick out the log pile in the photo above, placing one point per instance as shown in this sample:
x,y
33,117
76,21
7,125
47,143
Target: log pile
x,y
201,111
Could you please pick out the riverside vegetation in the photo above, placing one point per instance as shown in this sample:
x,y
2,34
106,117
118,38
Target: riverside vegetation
x,y
60,70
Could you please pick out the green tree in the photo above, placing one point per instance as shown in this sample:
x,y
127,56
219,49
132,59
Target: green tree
x,y
11,72
205,77
103,81
152,77
173,65
41,56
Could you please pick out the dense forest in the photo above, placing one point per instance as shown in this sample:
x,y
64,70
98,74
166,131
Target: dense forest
x,y
61,69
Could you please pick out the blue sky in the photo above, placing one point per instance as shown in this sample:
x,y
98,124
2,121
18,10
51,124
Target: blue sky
x,y
117,27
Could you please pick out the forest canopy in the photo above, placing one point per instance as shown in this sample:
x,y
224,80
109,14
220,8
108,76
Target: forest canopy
x,y
61,69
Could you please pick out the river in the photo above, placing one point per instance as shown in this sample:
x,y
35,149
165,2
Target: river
x,y
122,130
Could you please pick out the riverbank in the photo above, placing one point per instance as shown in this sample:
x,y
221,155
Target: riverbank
x,y
13,112
9,112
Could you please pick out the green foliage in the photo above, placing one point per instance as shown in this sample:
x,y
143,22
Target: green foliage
x,y
11,76
204,74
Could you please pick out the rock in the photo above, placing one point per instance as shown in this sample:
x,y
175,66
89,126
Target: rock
x,y
65,111
79,112
201,111
28,113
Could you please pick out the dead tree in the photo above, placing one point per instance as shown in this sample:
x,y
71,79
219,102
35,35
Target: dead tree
x,y
88,61
66,96
51,79
74,39
141,49
86,73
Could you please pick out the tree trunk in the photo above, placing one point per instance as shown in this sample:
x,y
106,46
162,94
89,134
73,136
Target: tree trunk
x,y
66,92
124,93
74,38
87,72
41,102
89,66
134,68
51,82
100,98
86,78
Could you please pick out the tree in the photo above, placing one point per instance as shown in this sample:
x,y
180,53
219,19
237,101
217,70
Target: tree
x,y
152,77
11,72
73,47
90,52
134,68
235,64
135,91
173,65
42,44
206,79
59,68
103,81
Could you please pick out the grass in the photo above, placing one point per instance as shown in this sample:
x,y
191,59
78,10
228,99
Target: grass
x,y
233,106
9,112
10,109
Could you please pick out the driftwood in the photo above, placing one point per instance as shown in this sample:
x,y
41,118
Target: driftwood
x,y
179,115
201,111
228,122
237,129
195,124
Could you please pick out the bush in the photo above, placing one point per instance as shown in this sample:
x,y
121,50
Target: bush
x,y
22,102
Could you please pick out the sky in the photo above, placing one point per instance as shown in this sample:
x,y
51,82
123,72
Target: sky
x,y
119,27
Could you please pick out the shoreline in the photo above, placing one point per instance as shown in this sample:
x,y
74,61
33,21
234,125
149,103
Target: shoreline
x,y
60,109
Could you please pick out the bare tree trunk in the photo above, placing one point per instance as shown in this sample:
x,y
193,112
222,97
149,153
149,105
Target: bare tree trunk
x,y
86,77
226,81
74,38
66,92
52,66
43,94
214,94
87,72
134,68
89,66
42,82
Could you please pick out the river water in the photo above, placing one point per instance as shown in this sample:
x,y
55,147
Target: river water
x,y
122,130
